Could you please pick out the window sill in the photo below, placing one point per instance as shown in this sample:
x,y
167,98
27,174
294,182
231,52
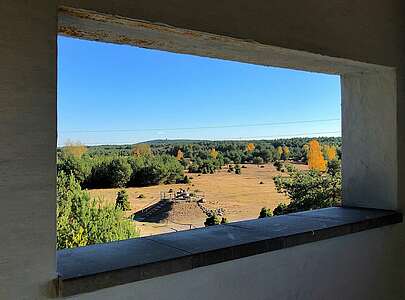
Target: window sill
x,y
90,268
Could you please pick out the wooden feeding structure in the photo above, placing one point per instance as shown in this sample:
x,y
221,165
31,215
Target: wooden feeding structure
x,y
181,195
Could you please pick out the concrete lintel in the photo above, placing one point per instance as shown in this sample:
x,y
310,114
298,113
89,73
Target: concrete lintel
x,y
95,26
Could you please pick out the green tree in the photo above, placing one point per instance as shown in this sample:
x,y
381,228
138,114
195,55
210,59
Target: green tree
x,y
334,167
82,221
120,172
122,201
308,190
155,170
80,168
110,172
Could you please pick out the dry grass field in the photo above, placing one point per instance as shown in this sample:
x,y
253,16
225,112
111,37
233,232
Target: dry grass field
x,y
240,196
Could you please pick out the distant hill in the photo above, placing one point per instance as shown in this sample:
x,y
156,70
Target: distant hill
x,y
173,142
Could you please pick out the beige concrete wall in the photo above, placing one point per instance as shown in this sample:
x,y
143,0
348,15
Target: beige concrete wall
x,y
27,149
366,265
369,133
356,267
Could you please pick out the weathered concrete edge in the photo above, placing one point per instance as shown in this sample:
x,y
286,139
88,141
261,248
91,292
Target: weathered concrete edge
x,y
90,283
96,26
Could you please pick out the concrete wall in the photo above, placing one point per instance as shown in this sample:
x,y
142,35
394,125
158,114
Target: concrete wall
x,y
366,265
358,266
369,133
27,151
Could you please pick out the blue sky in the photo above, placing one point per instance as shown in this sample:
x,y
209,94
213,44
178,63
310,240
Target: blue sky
x,y
115,94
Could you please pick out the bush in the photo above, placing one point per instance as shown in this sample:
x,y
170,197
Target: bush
x,y
140,196
265,212
282,209
82,221
212,220
258,160
122,201
185,180
238,170
224,220
279,165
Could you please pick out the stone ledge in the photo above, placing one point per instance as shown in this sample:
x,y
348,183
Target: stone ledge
x,y
86,269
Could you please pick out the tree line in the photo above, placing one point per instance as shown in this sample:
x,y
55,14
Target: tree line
x,y
165,161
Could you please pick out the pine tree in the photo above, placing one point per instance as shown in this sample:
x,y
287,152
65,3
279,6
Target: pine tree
x,y
122,201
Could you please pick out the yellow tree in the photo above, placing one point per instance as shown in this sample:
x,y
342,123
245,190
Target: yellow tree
x,y
180,155
213,153
279,152
315,157
250,147
286,152
141,149
330,152
75,149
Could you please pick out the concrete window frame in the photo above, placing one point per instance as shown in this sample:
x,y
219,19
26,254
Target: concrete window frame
x,y
369,116
369,161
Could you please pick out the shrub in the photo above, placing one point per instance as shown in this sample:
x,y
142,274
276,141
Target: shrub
x,y
83,221
140,196
279,165
185,180
282,209
224,220
122,201
265,212
258,160
238,170
212,220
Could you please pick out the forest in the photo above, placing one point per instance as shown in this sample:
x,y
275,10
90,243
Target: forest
x,y
163,161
